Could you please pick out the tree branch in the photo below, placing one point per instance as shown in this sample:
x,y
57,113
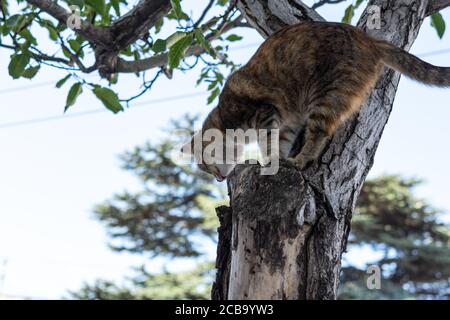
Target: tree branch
x,y
269,16
136,23
289,230
108,41
95,35
40,56
126,30
204,13
161,60
436,6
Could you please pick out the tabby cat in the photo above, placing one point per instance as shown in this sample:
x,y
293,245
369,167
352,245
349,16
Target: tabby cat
x,y
309,78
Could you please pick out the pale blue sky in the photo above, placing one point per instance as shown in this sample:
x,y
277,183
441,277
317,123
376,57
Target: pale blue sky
x,y
53,173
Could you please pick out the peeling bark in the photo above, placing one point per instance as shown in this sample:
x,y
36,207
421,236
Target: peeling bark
x,y
271,15
289,231
220,287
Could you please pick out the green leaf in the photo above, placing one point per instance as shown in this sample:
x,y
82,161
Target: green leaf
x,y
61,82
52,32
178,50
176,5
136,55
174,38
16,22
98,5
128,51
26,34
177,11
159,46
158,25
74,45
234,37
66,52
213,95
78,3
17,65
4,7
212,85
116,5
114,78
358,3
73,94
437,22
349,13
31,72
109,99
200,38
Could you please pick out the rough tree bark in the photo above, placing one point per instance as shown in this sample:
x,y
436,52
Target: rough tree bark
x,y
284,235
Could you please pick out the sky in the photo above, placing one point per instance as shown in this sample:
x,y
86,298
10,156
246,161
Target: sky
x,y
53,173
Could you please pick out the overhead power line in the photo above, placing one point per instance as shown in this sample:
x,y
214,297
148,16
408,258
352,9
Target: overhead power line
x,y
49,83
148,102
31,86
102,110
237,48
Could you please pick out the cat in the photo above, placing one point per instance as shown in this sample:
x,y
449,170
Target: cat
x,y
307,78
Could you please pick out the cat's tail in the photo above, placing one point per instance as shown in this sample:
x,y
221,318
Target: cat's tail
x,y
413,67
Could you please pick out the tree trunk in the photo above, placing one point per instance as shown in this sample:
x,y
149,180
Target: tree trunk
x,y
288,231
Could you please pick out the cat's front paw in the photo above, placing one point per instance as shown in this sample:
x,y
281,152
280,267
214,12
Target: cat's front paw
x,y
299,162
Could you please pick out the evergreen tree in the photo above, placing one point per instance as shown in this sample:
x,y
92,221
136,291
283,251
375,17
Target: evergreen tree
x,y
113,38
172,213
192,285
173,216
414,243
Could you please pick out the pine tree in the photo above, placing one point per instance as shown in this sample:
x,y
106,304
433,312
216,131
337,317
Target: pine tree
x,y
174,215
414,243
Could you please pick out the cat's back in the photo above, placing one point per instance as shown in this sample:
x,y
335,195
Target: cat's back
x,y
310,44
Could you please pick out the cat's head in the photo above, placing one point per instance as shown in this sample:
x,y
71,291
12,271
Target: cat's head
x,y
209,148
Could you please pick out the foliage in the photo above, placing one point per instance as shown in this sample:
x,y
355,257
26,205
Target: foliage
x,y
177,35
181,38
192,284
102,290
174,209
438,22
415,245
173,216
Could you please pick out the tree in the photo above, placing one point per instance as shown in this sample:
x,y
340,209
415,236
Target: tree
x,y
414,245
167,218
192,284
301,257
172,217
312,209
155,36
